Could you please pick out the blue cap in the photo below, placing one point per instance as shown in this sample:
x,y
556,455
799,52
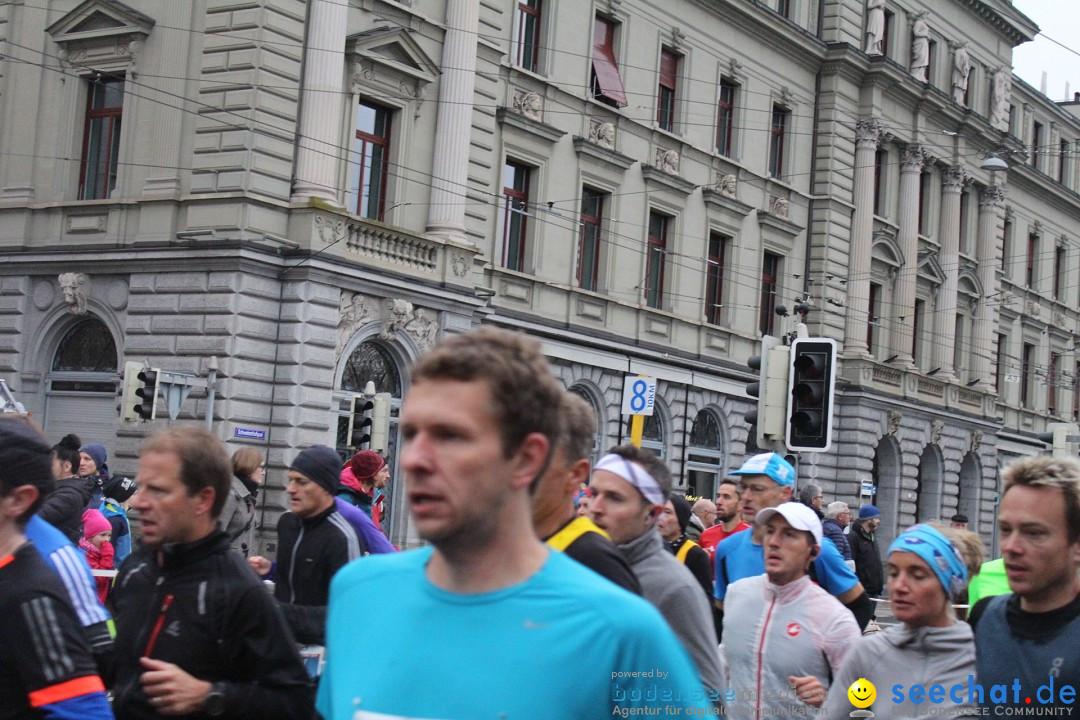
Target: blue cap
x,y
867,512
771,465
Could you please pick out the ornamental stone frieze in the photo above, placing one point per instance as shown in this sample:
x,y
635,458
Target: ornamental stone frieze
x,y
869,131
991,198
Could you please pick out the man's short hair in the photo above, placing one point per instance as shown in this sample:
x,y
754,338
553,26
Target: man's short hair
x,y
835,508
25,459
525,396
702,505
578,434
204,461
652,464
733,483
1054,472
808,493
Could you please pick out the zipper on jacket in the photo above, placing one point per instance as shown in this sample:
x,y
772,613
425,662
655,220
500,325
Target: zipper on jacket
x,y
760,653
292,563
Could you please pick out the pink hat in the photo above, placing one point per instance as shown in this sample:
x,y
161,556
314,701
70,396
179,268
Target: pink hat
x,y
366,464
93,523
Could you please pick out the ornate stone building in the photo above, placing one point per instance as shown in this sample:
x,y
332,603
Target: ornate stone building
x,y
315,192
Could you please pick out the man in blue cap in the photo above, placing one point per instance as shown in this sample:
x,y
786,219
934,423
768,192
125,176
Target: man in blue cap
x,y
864,550
767,481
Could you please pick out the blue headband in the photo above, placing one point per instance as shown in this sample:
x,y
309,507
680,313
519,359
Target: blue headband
x,y
937,552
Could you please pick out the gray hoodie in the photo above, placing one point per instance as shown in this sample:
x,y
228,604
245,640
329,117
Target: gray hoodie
x,y
672,589
927,656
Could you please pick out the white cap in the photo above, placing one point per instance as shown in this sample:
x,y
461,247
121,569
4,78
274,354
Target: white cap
x,y
799,516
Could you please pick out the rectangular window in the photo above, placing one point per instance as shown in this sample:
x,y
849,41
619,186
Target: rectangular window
x,y
607,85
515,214
965,224
770,275
958,346
665,91
101,139
1051,383
1063,151
1059,273
592,221
1036,143
881,161
528,34
873,315
924,203
784,8
777,132
999,360
1032,254
714,277
1006,247
886,32
916,332
654,259
725,117
1076,392
931,61
371,148
1026,368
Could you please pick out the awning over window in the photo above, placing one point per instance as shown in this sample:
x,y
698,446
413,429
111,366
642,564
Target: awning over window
x,y
608,82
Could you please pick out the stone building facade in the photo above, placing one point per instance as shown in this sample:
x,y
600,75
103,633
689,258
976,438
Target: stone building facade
x,y
315,192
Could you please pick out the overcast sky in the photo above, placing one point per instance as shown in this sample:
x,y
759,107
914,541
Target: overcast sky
x,y
1060,20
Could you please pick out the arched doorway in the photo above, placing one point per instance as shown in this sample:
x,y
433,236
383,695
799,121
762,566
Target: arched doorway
x,y
886,471
705,456
931,477
375,362
589,397
80,395
967,502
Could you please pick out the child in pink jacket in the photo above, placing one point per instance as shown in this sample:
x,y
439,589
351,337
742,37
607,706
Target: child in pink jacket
x,y
99,551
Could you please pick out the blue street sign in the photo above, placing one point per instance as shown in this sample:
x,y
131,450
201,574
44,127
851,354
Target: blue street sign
x,y
250,433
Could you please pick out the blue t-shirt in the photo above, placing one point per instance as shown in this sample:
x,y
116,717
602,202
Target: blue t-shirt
x,y
738,557
564,643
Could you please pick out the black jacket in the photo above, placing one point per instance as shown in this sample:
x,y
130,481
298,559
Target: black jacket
x,y
864,552
64,506
221,625
310,551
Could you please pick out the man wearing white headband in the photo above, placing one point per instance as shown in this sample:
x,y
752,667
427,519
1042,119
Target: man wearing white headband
x,y
631,487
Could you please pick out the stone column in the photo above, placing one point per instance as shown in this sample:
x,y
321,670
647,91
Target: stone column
x,y
450,164
945,312
319,150
912,160
868,132
991,201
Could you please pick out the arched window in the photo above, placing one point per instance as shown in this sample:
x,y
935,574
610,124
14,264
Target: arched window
x,y
371,362
705,456
598,441
81,384
652,435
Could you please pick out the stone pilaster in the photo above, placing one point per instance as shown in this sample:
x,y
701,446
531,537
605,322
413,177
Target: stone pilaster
x,y
991,200
450,165
945,312
868,132
912,160
320,122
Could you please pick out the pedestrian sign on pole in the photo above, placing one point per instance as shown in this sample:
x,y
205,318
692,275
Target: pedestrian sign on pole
x,y
639,400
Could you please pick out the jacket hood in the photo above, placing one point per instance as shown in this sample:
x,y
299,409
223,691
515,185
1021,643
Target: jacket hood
x,y
940,641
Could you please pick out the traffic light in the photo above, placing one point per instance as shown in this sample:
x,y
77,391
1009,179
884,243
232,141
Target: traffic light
x,y
360,422
1063,438
811,383
770,389
128,398
380,422
146,391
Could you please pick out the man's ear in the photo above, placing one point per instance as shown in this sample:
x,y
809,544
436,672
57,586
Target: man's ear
x,y
19,500
577,474
530,459
204,500
785,491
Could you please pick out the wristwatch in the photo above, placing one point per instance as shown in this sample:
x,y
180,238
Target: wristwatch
x,y
214,703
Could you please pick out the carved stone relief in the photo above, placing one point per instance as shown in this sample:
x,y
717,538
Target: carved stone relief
x,y
423,330
396,315
74,288
353,311
779,207
667,160
894,422
976,440
602,133
459,264
529,104
726,185
936,428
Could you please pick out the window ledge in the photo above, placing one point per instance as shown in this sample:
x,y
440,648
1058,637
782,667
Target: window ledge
x,y
672,182
611,158
506,116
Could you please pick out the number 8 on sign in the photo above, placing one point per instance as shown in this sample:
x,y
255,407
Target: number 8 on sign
x,y
638,401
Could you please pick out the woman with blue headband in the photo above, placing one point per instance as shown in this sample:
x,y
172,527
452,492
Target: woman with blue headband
x,y
920,668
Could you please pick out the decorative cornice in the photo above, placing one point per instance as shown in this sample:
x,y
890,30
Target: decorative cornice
x,y
955,178
992,198
914,157
868,130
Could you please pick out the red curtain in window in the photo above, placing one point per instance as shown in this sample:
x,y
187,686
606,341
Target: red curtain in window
x,y
604,64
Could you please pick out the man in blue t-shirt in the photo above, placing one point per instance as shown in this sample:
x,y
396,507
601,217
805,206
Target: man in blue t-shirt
x,y
488,621
767,481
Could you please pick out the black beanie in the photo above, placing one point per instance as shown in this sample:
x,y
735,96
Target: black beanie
x,y
321,464
682,510
25,457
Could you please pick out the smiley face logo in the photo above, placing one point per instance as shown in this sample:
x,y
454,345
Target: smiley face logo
x,y
862,693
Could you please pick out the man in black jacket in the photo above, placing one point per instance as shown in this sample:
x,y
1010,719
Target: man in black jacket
x,y
864,550
197,633
314,542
